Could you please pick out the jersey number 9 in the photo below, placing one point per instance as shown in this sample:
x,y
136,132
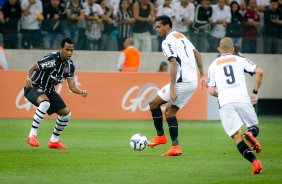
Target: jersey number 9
x,y
228,71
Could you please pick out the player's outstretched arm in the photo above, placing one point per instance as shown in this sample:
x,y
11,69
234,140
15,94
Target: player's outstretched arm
x,y
74,89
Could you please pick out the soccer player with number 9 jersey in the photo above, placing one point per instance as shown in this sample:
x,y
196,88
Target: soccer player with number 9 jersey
x,y
226,80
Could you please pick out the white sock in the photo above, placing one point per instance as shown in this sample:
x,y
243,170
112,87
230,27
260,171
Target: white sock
x,y
54,138
61,123
33,131
38,117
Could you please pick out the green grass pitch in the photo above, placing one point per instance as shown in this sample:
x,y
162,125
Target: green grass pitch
x,y
99,152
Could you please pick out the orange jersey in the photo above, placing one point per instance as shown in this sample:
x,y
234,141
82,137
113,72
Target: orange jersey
x,y
3,59
132,60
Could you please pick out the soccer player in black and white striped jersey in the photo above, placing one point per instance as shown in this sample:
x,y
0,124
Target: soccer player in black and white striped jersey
x,y
40,91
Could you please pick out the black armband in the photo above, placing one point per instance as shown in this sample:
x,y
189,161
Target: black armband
x,y
255,91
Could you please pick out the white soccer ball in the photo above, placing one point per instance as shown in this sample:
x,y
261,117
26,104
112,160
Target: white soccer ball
x,y
138,142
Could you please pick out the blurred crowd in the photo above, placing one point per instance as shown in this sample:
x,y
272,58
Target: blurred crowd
x,y
254,25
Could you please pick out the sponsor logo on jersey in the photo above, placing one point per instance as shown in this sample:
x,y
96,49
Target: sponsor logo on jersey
x,y
226,60
48,64
66,69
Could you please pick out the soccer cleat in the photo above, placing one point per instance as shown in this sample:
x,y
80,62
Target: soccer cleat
x,y
252,141
157,140
173,151
33,141
56,145
257,167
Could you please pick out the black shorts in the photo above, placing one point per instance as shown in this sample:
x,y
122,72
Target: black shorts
x,y
56,102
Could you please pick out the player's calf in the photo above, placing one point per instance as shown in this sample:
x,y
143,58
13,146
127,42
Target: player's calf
x,y
61,123
38,117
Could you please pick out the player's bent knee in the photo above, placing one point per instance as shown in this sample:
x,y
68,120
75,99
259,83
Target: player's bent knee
x,y
254,129
66,117
153,105
237,137
45,104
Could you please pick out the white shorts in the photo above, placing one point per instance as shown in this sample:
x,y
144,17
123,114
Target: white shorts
x,y
234,115
183,90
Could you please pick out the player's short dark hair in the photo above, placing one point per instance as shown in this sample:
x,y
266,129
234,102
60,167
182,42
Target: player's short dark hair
x,y
274,1
165,20
66,40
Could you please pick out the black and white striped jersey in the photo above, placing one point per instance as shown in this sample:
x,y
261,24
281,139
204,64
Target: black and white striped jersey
x,y
52,71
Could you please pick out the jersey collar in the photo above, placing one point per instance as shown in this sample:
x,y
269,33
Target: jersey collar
x,y
226,54
168,33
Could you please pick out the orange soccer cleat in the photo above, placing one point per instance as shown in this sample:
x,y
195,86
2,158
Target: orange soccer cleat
x,y
157,140
252,141
33,141
257,167
173,151
56,145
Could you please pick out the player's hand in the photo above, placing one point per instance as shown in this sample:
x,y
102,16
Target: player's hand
x,y
254,98
204,82
172,95
28,82
83,93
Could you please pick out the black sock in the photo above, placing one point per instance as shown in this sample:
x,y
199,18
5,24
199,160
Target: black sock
x,y
158,120
254,129
246,151
173,129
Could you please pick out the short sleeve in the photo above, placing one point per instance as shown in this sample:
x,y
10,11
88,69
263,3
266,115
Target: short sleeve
x,y
249,66
70,73
169,49
100,10
211,80
87,10
39,6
